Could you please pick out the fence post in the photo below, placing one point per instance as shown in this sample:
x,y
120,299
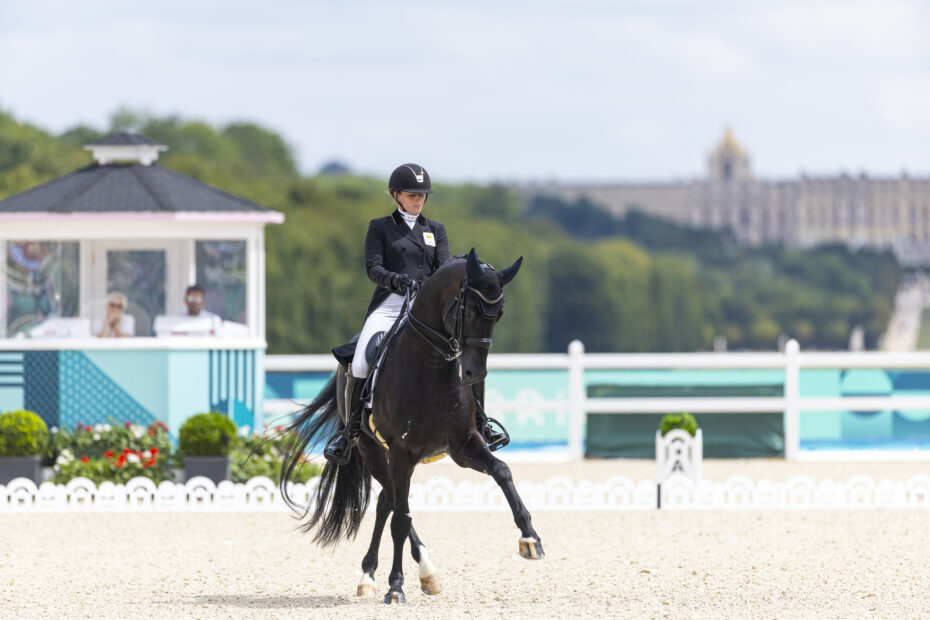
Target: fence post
x,y
577,396
792,419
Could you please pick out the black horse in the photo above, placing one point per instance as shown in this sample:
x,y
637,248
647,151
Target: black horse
x,y
423,406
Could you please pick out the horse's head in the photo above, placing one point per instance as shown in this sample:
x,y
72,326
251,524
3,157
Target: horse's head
x,y
467,296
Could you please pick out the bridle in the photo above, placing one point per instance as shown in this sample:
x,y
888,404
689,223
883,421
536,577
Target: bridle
x,y
456,341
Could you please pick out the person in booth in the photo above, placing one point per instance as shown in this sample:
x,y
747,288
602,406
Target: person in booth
x,y
194,300
117,323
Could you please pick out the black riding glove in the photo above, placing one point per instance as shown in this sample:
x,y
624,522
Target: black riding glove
x,y
401,283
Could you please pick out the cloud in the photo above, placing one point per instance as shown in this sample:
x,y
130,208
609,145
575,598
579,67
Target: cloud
x,y
491,87
850,31
903,102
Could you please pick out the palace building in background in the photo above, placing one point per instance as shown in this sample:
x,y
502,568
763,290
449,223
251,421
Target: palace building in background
x,y
859,211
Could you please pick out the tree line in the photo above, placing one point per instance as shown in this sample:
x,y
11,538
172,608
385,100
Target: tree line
x,y
632,284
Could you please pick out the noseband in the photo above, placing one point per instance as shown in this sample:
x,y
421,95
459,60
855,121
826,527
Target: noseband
x,y
457,340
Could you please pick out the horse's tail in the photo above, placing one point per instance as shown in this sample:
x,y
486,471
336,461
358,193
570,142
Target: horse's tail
x,y
343,493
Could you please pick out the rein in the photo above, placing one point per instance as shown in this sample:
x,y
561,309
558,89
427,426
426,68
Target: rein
x,y
457,340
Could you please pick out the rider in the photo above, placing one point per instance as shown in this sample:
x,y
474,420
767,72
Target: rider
x,y
401,251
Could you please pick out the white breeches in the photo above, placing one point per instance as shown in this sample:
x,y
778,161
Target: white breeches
x,y
378,321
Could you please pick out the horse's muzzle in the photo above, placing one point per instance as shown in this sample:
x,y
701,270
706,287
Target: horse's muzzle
x,y
471,376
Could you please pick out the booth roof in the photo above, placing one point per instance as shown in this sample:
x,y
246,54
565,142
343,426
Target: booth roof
x,y
129,188
124,138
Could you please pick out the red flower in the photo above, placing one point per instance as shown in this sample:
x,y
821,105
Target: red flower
x,y
151,432
117,464
127,451
120,460
149,463
109,454
88,429
84,459
128,423
154,451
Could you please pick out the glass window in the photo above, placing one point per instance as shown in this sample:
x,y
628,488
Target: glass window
x,y
42,281
140,275
221,273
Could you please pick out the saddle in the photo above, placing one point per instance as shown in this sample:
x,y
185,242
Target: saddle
x,y
374,354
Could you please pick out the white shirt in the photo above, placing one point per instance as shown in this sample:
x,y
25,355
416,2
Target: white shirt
x,y
127,325
206,314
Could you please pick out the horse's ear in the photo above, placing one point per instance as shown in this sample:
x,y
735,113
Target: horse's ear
x,y
473,267
508,273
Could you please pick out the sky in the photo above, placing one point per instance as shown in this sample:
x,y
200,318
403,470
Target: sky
x,y
550,90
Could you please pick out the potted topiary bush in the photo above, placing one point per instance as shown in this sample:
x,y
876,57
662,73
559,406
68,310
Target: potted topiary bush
x,y
204,442
684,421
23,439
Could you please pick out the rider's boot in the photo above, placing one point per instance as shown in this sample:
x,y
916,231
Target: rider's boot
x,y
494,438
339,448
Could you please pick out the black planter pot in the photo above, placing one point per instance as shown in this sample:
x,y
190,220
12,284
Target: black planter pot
x,y
20,467
216,468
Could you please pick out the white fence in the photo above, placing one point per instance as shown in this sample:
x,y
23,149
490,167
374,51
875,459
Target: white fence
x,y
579,405
441,494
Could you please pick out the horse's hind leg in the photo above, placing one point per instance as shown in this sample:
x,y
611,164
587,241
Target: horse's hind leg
x,y
366,586
475,455
429,576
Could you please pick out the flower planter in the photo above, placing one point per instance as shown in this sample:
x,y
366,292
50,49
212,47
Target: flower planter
x,y
216,468
20,467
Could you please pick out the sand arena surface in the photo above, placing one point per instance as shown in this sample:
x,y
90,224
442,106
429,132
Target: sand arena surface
x,y
714,564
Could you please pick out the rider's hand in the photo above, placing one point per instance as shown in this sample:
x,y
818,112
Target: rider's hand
x,y
401,283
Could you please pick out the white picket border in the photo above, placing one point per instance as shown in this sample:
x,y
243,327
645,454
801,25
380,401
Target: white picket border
x,y
439,494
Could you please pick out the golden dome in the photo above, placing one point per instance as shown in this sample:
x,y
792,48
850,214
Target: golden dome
x,y
729,143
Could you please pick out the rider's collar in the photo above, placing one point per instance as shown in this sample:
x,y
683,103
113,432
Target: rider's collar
x,y
408,218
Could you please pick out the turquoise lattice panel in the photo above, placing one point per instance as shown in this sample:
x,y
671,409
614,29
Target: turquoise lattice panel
x,y
40,384
89,396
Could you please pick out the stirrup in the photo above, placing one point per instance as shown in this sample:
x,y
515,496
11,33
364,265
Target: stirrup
x,y
497,440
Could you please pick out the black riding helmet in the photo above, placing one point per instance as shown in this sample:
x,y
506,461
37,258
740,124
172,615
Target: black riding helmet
x,y
411,178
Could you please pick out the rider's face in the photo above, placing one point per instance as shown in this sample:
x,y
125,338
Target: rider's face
x,y
412,203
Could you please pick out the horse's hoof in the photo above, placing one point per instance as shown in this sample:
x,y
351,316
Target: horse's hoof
x,y
393,597
366,586
430,585
531,549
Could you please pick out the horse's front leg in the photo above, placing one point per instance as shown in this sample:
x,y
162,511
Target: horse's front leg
x,y
474,454
401,467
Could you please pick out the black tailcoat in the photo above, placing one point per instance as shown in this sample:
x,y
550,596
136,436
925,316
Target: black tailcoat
x,y
392,247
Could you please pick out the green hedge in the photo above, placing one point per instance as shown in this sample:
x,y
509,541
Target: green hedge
x,y
22,433
207,434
